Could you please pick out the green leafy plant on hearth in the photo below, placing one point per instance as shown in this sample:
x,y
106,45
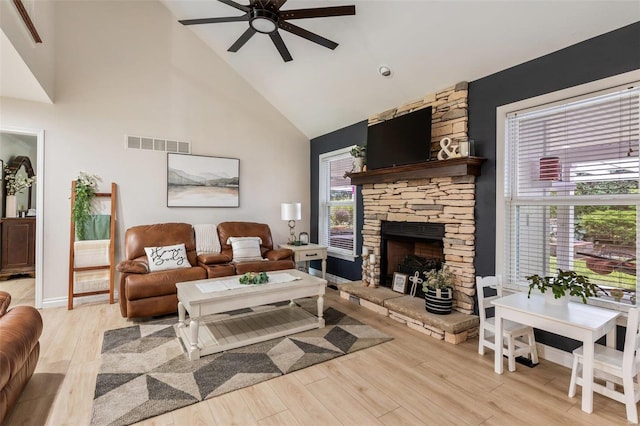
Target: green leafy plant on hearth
x,y
438,278
85,192
563,283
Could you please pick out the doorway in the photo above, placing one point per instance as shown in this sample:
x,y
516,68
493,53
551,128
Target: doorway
x,y
23,151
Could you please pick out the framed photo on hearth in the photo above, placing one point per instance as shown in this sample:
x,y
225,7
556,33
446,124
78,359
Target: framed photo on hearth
x,y
400,282
202,181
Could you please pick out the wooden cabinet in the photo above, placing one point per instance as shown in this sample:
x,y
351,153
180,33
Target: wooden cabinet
x,y
18,246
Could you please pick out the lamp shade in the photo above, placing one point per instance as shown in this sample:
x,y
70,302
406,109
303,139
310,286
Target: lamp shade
x,y
291,211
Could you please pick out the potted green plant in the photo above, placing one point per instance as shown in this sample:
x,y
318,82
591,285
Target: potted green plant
x,y
85,192
563,285
438,290
359,153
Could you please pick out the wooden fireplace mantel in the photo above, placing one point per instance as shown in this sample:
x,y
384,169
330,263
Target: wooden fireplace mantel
x,y
430,169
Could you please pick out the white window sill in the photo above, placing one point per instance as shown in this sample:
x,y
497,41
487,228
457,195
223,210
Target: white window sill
x,y
343,256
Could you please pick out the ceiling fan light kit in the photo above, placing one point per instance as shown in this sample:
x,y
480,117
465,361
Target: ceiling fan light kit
x,y
265,17
263,21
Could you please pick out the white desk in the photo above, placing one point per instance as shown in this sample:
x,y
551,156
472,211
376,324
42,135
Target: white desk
x,y
576,320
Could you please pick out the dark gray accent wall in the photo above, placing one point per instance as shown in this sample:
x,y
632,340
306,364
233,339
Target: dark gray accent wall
x,y
355,134
604,56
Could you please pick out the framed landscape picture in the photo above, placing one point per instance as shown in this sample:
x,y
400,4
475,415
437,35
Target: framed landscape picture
x,y
201,181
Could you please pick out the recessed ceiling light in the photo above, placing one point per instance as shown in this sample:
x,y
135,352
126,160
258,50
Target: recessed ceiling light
x,y
384,71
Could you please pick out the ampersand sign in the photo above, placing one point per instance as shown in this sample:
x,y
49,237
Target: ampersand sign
x,y
415,281
445,153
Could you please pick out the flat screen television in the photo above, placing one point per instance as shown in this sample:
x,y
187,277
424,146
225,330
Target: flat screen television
x,y
402,140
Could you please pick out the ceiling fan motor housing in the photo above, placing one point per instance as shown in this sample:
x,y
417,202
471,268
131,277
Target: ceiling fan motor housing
x,y
264,21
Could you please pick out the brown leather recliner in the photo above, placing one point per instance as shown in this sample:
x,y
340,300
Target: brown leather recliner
x,y
143,293
20,329
275,259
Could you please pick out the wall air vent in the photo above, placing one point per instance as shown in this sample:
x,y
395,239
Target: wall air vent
x,y
157,144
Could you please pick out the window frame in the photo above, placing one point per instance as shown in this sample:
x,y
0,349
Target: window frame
x,y
324,187
586,90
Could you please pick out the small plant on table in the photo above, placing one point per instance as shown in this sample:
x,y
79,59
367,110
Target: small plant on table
x,y
563,283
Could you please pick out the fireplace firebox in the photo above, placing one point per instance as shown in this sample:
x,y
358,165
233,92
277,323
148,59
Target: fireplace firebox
x,y
402,239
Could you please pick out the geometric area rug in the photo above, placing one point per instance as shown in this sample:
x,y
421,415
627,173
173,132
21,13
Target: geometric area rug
x,y
145,372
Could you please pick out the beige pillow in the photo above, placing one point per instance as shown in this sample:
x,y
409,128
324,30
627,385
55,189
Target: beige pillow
x,y
207,240
245,248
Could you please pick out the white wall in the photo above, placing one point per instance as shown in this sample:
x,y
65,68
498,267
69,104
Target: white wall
x,y
39,57
130,68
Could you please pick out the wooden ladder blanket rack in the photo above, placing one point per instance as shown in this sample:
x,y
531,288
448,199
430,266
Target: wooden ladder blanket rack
x,y
72,239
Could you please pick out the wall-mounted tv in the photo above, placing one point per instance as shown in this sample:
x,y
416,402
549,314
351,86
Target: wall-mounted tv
x,y
402,140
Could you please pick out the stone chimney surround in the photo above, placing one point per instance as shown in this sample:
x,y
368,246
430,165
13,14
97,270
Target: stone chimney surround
x,y
447,199
441,191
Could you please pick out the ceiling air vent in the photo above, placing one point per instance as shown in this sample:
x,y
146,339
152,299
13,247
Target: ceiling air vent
x,y
157,144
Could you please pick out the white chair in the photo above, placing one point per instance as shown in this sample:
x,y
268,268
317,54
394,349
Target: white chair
x,y
519,338
612,365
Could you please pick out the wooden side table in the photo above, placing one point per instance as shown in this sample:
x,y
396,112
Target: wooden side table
x,y
307,253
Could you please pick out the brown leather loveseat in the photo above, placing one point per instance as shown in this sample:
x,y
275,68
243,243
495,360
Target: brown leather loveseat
x,y
274,259
144,293
20,329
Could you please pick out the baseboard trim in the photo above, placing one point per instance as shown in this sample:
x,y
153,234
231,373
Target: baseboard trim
x,y
555,355
60,302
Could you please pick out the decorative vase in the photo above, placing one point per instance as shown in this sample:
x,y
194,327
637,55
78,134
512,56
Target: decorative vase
x,y
438,300
11,206
550,299
358,162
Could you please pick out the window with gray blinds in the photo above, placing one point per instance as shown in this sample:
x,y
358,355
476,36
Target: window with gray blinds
x,y
571,189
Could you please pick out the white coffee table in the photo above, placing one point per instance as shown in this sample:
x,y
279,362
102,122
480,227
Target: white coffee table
x,y
206,297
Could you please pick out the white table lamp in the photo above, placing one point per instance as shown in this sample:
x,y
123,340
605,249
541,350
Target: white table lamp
x,y
291,212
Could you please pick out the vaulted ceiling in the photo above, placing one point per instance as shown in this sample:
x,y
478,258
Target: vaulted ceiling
x,y
428,45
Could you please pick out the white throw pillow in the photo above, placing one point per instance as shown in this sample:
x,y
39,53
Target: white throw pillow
x,y
245,248
207,240
168,257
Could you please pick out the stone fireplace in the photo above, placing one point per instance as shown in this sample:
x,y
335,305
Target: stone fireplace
x,y
445,201
439,195
427,210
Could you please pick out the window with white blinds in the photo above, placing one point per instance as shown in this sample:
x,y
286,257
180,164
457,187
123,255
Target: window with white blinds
x,y
336,227
571,190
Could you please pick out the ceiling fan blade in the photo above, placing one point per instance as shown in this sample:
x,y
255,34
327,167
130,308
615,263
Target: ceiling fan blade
x,y
278,3
236,5
293,29
319,12
214,20
277,40
242,40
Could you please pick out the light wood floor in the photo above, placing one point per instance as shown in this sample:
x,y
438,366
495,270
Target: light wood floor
x,y
412,380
